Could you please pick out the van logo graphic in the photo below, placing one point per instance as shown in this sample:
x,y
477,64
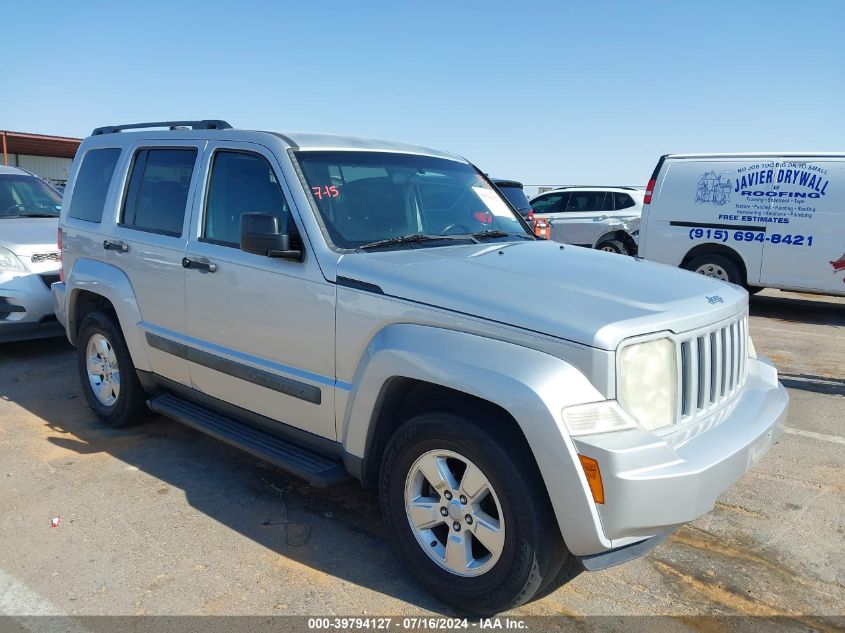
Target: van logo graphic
x,y
714,299
713,188
839,264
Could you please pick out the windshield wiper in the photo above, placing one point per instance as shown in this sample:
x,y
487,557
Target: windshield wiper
x,y
37,215
414,238
493,233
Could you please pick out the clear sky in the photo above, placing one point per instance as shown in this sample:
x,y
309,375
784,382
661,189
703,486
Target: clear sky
x,y
554,93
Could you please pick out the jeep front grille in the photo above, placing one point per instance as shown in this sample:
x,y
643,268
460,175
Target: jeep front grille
x,y
713,367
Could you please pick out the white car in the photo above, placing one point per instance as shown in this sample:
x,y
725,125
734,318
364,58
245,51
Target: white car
x,y
772,220
605,218
29,255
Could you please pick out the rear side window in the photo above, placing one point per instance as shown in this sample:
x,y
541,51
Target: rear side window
x,y
158,190
92,184
241,183
624,201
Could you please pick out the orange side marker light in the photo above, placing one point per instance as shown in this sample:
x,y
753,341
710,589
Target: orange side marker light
x,y
591,469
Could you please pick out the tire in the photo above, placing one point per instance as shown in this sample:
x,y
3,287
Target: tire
x,y
717,266
612,246
512,563
122,400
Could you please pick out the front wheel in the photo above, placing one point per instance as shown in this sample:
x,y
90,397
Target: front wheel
x,y
716,266
469,513
612,246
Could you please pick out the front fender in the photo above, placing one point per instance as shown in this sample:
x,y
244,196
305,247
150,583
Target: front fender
x,y
531,385
112,283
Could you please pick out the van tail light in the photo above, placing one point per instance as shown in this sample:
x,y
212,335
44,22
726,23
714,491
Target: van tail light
x,y
652,182
61,265
649,191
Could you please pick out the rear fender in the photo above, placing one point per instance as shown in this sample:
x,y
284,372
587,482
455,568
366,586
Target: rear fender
x,y
112,283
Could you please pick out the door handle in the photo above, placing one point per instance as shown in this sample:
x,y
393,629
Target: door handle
x,y
116,245
206,266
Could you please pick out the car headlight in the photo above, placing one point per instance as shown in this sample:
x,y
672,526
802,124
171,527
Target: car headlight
x,y
648,382
9,261
597,417
752,351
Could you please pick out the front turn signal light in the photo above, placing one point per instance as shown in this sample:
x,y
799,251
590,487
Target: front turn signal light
x,y
593,473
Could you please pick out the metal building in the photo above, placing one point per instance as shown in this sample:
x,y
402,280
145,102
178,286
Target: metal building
x,y
47,156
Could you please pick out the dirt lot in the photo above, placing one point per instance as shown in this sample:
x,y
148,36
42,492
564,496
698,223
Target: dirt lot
x,y
163,520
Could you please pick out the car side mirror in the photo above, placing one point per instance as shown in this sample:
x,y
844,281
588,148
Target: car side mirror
x,y
260,235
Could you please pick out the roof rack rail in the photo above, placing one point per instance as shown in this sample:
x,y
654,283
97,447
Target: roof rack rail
x,y
205,124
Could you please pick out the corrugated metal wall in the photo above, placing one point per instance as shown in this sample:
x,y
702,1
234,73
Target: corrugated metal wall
x,y
48,167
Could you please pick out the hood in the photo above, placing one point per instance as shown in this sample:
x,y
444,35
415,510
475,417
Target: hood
x,y
25,236
572,293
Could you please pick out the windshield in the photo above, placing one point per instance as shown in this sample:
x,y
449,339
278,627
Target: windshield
x,y
27,197
367,197
517,197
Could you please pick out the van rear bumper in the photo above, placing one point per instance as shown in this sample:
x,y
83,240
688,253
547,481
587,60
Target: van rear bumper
x,y
653,484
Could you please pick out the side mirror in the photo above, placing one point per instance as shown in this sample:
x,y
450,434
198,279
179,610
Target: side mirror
x,y
260,235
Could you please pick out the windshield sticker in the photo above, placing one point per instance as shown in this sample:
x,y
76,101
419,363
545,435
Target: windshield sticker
x,y
493,202
325,191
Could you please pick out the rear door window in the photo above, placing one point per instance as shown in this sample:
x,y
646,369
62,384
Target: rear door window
x,y
92,184
158,190
586,201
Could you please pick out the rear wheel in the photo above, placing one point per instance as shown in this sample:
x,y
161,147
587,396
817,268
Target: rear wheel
x,y
107,374
469,513
717,266
612,246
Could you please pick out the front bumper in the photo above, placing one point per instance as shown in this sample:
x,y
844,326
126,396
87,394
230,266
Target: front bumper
x,y
26,307
652,484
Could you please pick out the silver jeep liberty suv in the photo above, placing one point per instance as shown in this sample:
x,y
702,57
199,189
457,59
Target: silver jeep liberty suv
x,y
351,307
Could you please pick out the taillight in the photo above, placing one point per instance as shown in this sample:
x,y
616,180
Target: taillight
x,y
649,191
530,215
61,265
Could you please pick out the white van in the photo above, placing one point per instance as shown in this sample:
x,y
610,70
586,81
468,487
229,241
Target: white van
x,y
758,220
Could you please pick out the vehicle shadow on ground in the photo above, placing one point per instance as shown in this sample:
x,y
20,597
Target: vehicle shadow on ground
x,y
816,384
336,530
813,310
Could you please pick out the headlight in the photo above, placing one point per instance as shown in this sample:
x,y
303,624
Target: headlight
x,y
648,382
9,261
596,417
752,351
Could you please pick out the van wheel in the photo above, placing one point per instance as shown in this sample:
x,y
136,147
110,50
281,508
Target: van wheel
x,y
107,374
612,246
716,265
469,513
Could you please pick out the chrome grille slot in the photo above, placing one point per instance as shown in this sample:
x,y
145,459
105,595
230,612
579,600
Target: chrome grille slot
x,y
712,368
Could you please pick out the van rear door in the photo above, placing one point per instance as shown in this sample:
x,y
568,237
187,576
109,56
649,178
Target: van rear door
x,y
809,251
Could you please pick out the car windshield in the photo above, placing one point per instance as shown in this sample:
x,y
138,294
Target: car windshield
x,y
366,198
517,197
27,196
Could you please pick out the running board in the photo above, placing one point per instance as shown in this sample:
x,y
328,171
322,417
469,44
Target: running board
x,y
316,469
